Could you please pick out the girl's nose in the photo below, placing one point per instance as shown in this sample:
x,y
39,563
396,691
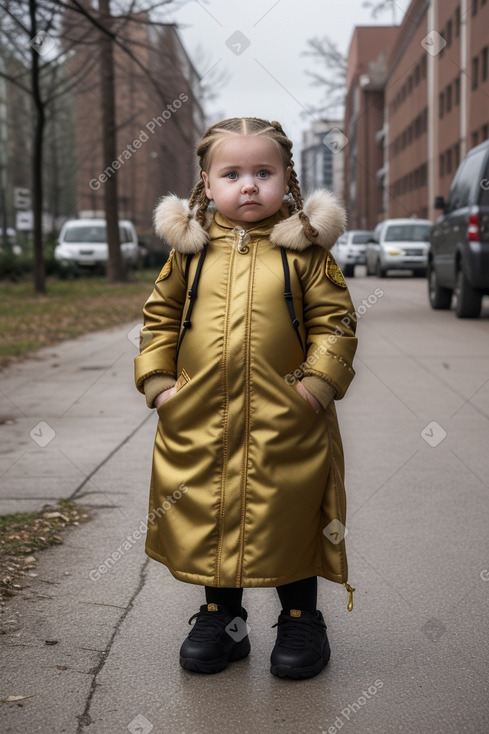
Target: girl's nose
x,y
249,184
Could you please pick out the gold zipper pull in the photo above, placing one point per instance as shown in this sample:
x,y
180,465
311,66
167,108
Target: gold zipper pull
x,y
350,590
242,246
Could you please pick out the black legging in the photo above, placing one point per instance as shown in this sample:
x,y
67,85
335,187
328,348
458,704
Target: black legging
x,y
297,595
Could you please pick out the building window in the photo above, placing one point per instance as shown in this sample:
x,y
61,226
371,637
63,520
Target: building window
x,y
425,119
448,97
475,72
475,138
457,21
410,84
424,66
441,104
417,75
448,157
448,36
423,174
484,63
457,91
485,132
442,165
456,155
475,8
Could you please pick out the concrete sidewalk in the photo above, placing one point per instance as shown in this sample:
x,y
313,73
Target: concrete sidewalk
x,y
411,657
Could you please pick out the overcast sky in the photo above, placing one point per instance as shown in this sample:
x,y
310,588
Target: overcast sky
x,y
260,43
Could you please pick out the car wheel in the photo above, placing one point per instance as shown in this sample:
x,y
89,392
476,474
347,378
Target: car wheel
x,y
379,270
349,271
468,302
419,273
440,298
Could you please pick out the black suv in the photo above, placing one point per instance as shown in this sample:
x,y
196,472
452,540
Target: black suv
x,y
458,260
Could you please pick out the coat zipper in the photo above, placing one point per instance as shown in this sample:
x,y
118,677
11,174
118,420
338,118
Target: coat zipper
x,y
242,246
350,590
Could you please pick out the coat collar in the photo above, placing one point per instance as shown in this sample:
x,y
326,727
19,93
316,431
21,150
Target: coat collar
x,y
174,223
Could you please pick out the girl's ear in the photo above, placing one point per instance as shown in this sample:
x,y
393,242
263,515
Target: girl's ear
x,y
207,187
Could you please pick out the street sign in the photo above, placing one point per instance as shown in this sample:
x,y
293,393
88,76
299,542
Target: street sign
x,y
22,198
24,221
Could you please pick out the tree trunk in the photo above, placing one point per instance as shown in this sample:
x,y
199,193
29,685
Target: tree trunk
x,y
115,265
37,188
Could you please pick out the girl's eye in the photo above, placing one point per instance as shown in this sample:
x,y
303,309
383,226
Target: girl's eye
x,y
232,175
263,173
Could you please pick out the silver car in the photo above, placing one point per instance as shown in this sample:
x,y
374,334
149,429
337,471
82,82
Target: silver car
x,y
349,249
83,243
399,244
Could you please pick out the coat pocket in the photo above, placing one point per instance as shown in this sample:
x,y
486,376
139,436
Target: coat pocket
x,y
183,379
297,397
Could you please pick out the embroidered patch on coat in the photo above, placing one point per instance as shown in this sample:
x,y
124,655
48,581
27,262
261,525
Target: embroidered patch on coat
x,y
333,272
166,269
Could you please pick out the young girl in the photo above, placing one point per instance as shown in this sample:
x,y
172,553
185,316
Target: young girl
x,y
248,338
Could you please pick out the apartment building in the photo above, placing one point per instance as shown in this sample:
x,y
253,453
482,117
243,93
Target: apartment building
x,y
435,102
364,120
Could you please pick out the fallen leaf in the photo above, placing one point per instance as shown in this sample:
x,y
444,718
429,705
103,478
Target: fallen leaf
x,y
62,667
14,698
52,515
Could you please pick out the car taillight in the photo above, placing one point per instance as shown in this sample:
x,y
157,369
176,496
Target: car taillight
x,y
473,230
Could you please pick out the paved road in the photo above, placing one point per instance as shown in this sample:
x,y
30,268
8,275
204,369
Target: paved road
x,y
413,655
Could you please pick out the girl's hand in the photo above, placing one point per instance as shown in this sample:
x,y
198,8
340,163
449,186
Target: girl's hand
x,y
163,396
304,392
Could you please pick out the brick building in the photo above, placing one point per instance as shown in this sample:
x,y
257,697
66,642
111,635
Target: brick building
x,y
159,120
364,118
435,101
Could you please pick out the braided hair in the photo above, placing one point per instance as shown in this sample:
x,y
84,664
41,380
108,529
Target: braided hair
x,y
219,132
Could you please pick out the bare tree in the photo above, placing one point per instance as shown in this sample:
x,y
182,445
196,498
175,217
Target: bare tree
x,y
333,77
36,25
378,7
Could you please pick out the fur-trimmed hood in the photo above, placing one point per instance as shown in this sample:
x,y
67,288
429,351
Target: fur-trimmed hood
x,y
174,223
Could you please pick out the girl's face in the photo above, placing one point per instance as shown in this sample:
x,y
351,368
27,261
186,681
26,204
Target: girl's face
x,y
246,178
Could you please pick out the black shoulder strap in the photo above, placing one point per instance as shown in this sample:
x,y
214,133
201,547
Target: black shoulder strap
x,y
288,297
192,294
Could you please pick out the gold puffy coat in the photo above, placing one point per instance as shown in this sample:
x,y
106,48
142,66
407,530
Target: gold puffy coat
x,y
247,480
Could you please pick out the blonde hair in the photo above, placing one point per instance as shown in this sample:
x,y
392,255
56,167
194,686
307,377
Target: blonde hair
x,y
247,126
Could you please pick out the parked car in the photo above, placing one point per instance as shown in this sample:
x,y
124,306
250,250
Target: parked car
x,y
399,244
83,243
458,259
349,249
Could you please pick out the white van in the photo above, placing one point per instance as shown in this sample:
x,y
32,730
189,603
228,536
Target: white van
x,y
83,242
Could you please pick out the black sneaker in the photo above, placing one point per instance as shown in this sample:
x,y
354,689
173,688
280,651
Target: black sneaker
x,y
217,638
302,648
